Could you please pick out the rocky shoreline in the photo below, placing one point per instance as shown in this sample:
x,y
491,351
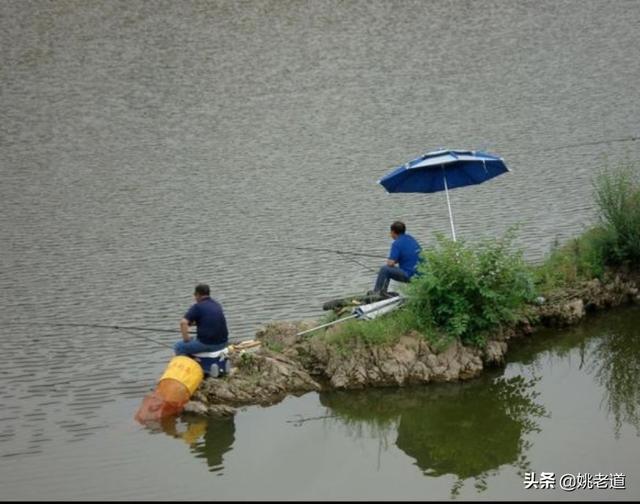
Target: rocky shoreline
x,y
306,364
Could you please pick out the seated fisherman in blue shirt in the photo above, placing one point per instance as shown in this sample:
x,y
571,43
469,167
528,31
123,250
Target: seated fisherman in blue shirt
x,y
207,315
402,262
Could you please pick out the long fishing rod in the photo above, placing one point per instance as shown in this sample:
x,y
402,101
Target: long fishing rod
x,y
343,252
351,259
345,255
123,328
101,326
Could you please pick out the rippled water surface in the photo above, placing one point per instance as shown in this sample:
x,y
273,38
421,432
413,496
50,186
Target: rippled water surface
x,y
147,146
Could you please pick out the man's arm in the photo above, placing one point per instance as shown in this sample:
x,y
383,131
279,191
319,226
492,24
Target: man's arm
x,y
394,254
184,329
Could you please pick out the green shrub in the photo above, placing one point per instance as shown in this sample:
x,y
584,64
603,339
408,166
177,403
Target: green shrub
x,y
582,258
467,290
615,240
617,195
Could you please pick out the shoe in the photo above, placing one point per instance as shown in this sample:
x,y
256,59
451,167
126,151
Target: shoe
x,y
373,296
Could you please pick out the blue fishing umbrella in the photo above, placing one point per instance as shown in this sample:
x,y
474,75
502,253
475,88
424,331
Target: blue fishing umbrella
x,y
443,170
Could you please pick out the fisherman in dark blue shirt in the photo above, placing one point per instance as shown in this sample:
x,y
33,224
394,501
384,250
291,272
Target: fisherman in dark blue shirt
x,y
207,315
403,259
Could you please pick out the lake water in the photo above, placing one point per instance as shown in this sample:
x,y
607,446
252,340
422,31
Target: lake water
x,y
148,146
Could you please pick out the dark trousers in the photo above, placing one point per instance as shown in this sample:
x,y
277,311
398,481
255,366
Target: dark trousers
x,y
196,346
388,273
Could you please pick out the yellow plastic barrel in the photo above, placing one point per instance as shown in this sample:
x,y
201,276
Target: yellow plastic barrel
x,y
186,371
180,379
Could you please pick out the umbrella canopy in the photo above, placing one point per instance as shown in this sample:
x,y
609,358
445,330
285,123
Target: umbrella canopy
x,y
443,170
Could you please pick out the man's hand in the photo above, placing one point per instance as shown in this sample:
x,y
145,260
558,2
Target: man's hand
x,y
184,330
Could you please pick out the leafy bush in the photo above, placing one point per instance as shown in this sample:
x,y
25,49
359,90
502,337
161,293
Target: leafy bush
x,y
617,195
582,258
467,290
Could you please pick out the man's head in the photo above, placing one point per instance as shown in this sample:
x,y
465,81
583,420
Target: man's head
x,y
201,290
397,228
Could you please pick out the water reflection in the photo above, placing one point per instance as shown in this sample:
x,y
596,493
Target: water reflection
x,y
615,361
208,438
606,346
467,430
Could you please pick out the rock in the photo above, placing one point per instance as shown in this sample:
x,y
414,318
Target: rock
x,y
196,407
494,353
339,380
432,362
419,373
283,334
439,374
472,369
200,408
221,410
574,310
524,328
563,314
261,378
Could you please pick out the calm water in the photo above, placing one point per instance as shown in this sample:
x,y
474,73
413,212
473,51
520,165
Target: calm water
x,y
147,146
566,402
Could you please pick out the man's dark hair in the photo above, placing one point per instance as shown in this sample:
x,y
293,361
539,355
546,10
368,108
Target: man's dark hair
x,y
398,227
202,290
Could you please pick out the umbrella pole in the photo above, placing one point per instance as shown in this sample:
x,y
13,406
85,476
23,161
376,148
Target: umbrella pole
x,y
446,191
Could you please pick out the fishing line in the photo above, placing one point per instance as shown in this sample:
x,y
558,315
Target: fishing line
x,y
597,142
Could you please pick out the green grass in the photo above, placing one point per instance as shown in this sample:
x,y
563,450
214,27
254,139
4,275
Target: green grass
x,y
617,195
384,330
582,258
275,346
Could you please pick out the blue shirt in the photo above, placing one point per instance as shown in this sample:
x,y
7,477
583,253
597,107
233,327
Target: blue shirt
x,y
406,251
208,316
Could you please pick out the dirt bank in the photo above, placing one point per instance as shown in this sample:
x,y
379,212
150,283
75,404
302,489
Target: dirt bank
x,y
305,364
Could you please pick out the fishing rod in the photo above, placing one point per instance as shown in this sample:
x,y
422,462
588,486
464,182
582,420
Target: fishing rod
x,y
342,252
147,338
351,259
126,329
101,326
345,255
123,328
